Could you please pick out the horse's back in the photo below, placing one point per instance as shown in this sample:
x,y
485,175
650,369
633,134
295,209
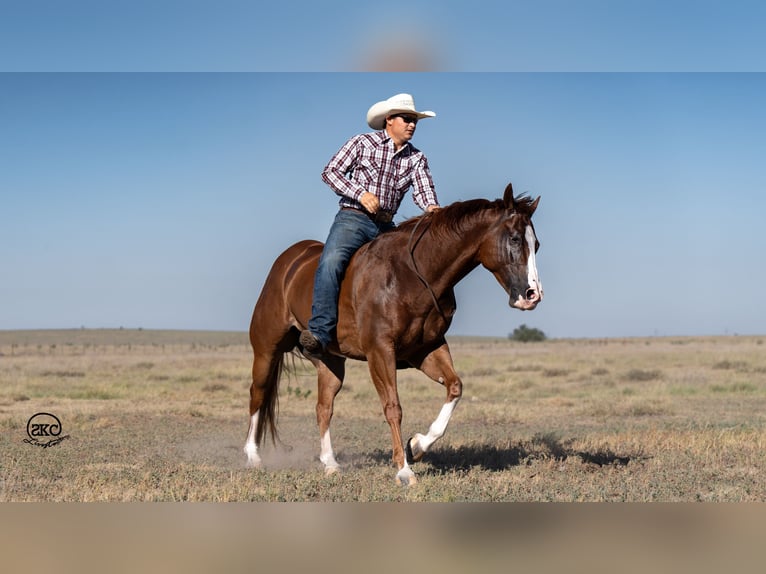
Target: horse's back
x,y
285,300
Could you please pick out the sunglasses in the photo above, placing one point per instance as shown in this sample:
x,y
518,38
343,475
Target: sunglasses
x,y
407,118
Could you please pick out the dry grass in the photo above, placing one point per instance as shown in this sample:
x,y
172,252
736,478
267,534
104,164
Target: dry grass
x,y
161,416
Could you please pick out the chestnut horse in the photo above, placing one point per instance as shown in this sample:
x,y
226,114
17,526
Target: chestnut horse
x,y
396,303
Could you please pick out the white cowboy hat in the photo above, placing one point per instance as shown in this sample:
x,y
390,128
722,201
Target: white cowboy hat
x,y
400,103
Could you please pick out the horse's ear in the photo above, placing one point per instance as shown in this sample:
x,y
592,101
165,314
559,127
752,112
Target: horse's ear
x,y
508,197
534,205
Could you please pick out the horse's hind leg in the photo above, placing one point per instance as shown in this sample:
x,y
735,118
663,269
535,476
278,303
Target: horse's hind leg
x,y
269,348
330,373
251,448
265,368
438,366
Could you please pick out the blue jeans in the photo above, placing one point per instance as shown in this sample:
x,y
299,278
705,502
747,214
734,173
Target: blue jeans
x,y
350,230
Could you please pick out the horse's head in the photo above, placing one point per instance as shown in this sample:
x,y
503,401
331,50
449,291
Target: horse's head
x,y
508,251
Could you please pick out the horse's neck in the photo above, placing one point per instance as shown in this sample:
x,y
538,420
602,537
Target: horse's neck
x,y
445,258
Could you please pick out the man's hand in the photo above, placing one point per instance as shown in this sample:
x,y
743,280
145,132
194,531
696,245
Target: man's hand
x,y
432,208
370,202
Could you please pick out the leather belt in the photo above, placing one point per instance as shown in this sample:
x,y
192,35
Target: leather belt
x,y
381,216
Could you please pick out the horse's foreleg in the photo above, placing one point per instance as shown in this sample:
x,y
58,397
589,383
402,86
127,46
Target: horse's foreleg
x,y
438,366
419,444
383,372
330,373
404,474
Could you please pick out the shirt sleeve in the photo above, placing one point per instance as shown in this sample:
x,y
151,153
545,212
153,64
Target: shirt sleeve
x,y
335,173
423,192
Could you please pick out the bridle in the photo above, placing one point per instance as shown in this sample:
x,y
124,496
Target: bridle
x,y
411,244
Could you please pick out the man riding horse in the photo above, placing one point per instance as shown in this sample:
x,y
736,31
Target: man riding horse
x,y
371,173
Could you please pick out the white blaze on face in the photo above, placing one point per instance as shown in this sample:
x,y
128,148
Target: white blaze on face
x,y
529,300
532,279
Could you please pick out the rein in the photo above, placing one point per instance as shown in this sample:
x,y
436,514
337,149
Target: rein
x,y
411,248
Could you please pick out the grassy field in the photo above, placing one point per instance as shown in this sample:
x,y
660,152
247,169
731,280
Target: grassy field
x,y
162,416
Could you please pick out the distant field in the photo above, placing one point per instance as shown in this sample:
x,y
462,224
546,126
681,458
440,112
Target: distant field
x,y
162,416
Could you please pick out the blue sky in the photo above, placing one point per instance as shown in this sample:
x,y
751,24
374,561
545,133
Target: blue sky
x,y
159,200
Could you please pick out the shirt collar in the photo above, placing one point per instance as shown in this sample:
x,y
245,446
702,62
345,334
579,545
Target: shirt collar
x,y
385,139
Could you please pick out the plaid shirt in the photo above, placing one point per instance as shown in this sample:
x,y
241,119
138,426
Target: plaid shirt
x,y
367,162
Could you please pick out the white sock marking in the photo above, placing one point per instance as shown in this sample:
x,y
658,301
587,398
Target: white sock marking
x,y
251,449
438,427
327,456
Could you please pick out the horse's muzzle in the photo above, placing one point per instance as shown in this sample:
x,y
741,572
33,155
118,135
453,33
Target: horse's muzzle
x,y
529,301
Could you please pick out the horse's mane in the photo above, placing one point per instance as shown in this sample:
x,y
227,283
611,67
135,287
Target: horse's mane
x,y
453,218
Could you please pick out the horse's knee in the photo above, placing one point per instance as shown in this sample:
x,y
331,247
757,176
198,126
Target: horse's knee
x,y
393,412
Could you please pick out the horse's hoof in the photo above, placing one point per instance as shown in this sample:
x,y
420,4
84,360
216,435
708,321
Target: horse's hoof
x,y
413,451
405,477
253,460
331,470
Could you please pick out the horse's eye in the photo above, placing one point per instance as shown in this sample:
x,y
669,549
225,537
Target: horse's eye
x,y
516,238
